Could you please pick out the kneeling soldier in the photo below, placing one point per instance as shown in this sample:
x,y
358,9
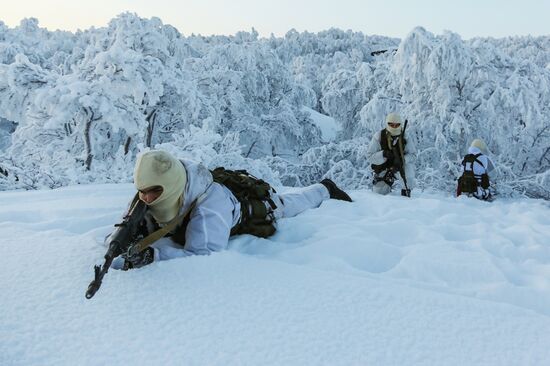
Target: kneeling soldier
x,y
392,156
476,167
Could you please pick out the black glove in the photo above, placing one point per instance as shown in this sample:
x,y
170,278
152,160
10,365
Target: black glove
x,y
140,259
406,192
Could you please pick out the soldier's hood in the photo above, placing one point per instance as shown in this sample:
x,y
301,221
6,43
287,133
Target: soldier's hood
x,y
199,179
474,150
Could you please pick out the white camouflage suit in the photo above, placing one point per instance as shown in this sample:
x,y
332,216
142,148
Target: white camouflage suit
x,y
375,156
217,211
482,165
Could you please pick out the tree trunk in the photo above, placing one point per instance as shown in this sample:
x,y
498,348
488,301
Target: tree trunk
x,y
87,139
151,119
127,145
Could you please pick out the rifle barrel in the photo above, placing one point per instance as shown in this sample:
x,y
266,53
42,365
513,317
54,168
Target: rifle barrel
x,y
121,238
98,277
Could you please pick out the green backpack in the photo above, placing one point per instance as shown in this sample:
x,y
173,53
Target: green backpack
x,y
252,193
468,182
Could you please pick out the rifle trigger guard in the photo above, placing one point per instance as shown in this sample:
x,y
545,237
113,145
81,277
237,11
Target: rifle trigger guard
x,y
130,252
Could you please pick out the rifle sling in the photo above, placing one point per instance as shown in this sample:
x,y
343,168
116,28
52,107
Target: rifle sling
x,y
156,235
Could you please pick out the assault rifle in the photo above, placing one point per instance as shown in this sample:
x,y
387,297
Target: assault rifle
x,y
406,191
121,241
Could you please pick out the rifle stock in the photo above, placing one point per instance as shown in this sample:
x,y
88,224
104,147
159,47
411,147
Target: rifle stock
x,y
120,240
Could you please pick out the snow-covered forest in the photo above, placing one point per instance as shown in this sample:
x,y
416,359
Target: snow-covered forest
x,y
78,107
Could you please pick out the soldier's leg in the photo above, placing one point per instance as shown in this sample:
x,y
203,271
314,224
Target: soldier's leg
x,y
381,187
301,199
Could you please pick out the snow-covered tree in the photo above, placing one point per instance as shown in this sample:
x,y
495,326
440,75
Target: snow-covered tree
x,y
80,106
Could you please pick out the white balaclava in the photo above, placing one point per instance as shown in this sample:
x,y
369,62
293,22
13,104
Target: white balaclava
x,y
159,168
393,118
480,144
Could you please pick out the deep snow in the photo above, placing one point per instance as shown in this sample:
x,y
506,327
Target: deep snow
x,y
430,280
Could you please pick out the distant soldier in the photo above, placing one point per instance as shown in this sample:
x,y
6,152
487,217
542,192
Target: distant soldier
x,y
476,166
392,156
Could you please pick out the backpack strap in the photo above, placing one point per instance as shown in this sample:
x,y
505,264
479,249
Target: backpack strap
x,y
385,140
471,158
183,219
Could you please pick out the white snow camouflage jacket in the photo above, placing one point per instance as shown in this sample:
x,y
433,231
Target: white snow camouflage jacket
x,y
215,212
375,156
486,166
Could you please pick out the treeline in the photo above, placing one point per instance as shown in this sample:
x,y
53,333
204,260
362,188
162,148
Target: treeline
x,y
78,107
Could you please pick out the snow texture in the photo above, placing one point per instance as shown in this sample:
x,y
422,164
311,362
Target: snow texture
x,y
328,125
82,105
384,280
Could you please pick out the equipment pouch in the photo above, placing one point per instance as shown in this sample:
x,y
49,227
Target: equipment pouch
x,y
253,194
468,183
484,181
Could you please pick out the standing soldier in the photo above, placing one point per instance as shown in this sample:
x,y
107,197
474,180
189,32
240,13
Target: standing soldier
x,y
391,156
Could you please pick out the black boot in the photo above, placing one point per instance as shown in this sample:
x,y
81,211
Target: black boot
x,y
335,192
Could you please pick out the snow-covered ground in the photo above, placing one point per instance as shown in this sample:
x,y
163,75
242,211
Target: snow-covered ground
x,y
431,280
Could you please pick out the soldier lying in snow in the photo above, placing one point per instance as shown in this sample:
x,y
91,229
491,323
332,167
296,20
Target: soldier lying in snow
x,y
204,208
182,209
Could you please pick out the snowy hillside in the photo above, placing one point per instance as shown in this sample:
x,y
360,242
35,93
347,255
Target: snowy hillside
x,y
431,280
84,104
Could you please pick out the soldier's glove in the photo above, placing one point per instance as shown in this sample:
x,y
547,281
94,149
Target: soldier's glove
x,y
138,260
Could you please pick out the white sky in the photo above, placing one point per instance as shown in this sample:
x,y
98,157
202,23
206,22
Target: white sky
x,y
469,18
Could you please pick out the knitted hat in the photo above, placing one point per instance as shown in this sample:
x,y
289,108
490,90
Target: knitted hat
x,y
393,118
480,144
159,168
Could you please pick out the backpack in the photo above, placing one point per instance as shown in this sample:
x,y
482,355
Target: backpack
x,y
468,181
252,193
